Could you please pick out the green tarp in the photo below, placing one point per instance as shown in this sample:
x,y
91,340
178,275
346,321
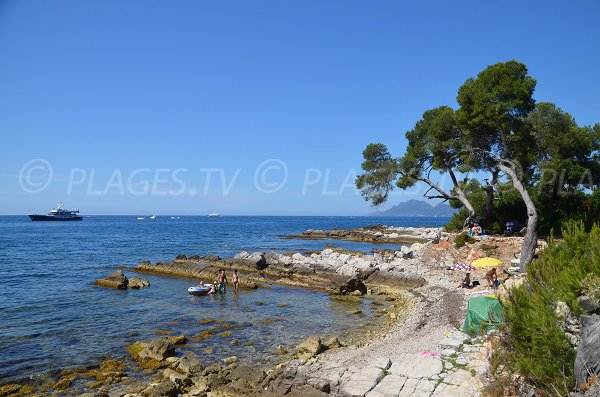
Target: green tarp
x,y
482,312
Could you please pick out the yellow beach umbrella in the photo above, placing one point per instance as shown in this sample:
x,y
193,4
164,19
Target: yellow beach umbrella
x,y
486,262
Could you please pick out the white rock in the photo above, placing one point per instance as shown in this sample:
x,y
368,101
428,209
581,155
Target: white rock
x,y
389,386
416,366
357,384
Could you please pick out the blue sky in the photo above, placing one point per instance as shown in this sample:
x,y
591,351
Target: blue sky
x,y
134,104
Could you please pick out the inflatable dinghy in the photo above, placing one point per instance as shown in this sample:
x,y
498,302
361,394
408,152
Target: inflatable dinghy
x,y
197,290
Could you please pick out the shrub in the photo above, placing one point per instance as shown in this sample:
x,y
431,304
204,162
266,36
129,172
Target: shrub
x,y
535,346
461,239
590,286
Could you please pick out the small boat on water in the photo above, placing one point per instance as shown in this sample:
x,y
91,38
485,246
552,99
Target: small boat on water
x,y
152,217
200,289
213,215
140,218
58,214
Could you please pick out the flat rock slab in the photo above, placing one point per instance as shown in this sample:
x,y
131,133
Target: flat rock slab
x,y
453,340
417,366
359,383
389,386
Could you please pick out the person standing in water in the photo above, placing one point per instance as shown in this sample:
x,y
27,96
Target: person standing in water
x,y
221,280
235,279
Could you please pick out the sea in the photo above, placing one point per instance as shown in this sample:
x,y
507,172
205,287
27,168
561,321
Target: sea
x,y
52,317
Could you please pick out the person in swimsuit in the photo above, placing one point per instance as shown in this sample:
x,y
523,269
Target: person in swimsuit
x,y
492,278
235,279
221,280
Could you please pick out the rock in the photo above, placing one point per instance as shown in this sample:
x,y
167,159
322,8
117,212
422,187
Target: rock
x,y
587,360
248,374
332,343
158,350
115,280
181,258
310,347
354,284
189,364
587,304
281,350
230,360
136,283
162,389
262,264
177,378
94,394
9,389
359,382
241,255
561,311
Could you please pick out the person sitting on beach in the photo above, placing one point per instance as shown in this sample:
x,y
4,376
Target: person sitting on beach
x,y
235,279
466,283
475,230
221,280
492,278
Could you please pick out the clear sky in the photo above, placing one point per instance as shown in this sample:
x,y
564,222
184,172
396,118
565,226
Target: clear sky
x,y
252,107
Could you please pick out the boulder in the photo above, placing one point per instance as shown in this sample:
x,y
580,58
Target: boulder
x,y
561,311
158,349
587,360
332,343
161,389
230,360
310,347
250,375
587,304
179,379
181,258
354,284
189,364
137,283
262,264
115,280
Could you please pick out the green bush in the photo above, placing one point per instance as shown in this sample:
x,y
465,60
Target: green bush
x,y
590,286
535,345
461,239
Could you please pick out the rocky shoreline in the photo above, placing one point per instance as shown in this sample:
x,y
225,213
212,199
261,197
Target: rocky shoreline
x,y
418,352
379,234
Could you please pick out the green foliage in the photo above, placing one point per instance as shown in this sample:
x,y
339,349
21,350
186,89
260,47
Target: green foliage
x,y
380,173
590,286
535,345
457,221
461,239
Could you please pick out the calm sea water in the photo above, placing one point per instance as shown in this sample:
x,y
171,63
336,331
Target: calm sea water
x,y
52,317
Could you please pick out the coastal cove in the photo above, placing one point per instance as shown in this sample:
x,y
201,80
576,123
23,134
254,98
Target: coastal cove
x,y
54,318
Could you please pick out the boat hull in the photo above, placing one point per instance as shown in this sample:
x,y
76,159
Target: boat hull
x,y
54,218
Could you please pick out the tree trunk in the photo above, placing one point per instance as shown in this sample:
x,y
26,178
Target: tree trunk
x,y
462,197
530,241
489,191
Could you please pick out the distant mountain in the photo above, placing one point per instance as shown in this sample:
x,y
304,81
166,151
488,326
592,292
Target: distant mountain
x,y
417,208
